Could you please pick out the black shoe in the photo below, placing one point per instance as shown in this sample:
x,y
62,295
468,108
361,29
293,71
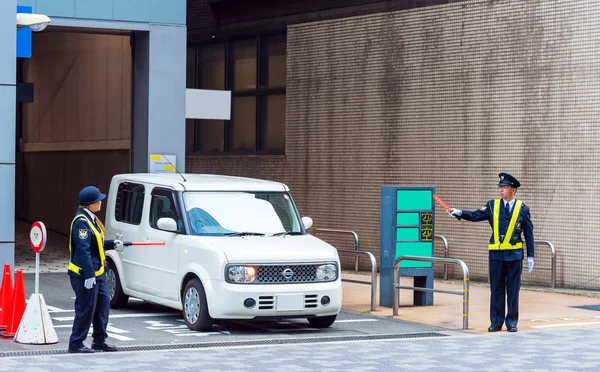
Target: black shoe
x,y
494,328
512,329
104,347
83,349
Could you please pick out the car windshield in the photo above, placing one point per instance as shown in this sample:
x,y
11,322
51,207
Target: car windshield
x,y
237,213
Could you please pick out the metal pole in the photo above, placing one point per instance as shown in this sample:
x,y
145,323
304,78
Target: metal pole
x,y
446,254
445,261
465,294
373,274
396,289
553,261
37,272
355,248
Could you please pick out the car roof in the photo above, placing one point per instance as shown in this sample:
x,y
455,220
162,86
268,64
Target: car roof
x,y
202,182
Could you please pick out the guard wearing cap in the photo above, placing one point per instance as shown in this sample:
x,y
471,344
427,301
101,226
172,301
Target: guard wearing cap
x,y
509,219
86,272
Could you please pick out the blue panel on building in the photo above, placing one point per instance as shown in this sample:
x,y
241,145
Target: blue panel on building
x,y
24,36
132,10
30,3
167,11
56,8
94,9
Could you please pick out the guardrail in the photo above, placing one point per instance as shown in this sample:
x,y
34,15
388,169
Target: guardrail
x,y
373,281
553,267
445,261
356,252
315,231
446,254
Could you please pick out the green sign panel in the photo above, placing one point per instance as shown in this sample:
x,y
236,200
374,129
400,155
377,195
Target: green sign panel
x,y
414,225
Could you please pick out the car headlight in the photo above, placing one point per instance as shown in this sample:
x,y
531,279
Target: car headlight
x,y
241,274
327,272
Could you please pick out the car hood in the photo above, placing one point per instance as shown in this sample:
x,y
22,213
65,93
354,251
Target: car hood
x,y
268,249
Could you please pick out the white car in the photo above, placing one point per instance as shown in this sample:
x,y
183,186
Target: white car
x,y
234,248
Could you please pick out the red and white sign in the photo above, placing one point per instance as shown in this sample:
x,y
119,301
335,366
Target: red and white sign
x,y
37,236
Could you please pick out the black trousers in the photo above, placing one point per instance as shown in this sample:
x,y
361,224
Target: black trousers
x,y
505,283
91,307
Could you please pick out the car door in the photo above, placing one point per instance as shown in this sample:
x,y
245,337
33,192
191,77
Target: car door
x,y
156,266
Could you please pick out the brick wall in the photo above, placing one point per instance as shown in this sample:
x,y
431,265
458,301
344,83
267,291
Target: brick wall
x,y
447,96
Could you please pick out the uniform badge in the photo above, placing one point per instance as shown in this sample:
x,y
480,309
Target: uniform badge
x,y
83,234
483,208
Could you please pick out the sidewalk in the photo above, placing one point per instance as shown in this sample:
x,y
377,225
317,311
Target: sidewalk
x,y
540,308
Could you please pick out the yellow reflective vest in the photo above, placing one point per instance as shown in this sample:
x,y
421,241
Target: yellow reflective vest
x,y
99,234
505,245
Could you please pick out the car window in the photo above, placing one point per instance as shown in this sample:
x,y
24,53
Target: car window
x,y
129,203
162,205
222,213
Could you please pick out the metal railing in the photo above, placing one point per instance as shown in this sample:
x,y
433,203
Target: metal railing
x,y
315,231
446,254
373,281
356,252
553,267
445,261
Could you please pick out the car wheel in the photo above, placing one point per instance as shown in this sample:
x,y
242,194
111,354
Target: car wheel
x,y
322,321
195,308
118,299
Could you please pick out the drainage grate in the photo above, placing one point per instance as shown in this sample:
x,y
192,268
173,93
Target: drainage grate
x,y
206,345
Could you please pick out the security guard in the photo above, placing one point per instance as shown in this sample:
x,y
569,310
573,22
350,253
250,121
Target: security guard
x,y
86,272
508,218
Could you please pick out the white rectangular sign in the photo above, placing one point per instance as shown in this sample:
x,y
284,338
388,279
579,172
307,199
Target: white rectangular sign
x,y
161,163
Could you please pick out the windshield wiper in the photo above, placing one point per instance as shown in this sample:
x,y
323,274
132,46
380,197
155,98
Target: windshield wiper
x,y
284,233
244,233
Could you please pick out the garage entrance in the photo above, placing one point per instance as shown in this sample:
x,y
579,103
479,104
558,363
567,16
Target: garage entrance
x,y
77,130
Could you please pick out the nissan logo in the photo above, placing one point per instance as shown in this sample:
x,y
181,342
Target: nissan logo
x,y
287,273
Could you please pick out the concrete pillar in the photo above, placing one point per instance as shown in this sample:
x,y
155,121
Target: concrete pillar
x,y
8,91
159,72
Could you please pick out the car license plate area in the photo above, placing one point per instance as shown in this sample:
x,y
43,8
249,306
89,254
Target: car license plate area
x,y
290,302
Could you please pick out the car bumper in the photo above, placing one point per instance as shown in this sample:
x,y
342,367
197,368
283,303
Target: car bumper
x,y
226,301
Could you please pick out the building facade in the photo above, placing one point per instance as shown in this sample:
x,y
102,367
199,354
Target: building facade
x,y
109,89
417,93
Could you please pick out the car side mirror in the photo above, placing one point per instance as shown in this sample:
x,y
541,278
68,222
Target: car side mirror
x,y
308,222
167,224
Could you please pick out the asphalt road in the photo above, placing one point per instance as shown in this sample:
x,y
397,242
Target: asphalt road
x,y
143,324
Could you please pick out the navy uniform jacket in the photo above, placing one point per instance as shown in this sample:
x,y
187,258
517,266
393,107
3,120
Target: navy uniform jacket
x,y
84,248
524,226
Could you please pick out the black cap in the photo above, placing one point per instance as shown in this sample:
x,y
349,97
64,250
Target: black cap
x,y
90,195
508,180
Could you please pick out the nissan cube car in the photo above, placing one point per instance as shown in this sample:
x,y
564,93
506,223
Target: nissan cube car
x,y
218,247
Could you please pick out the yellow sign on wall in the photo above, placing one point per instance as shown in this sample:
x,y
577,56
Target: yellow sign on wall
x,y
161,163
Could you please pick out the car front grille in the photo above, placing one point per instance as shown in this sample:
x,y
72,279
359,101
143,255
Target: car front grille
x,y
280,274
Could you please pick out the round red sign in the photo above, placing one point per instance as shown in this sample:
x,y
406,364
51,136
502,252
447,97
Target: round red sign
x,y
37,236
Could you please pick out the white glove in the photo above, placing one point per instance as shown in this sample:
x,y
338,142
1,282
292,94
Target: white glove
x,y
118,245
455,212
89,283
529,264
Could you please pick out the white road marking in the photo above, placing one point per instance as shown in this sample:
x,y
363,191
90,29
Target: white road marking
x,y
564,325
119,316
355,320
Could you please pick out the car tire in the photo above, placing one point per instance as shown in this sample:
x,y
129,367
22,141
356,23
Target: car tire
x,y
322,321
118,299
195,308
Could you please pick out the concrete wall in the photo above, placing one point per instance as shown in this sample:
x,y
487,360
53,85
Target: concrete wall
x,y
447,96
159,102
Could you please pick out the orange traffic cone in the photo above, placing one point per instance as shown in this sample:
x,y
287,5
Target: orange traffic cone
x,y
6,298
18,306
6,269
